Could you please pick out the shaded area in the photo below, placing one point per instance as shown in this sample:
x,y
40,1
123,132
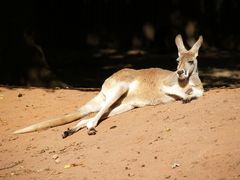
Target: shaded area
x,y
79,44
215,69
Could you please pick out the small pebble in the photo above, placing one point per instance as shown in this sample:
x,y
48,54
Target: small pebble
x,y
113,127
55,156
175,165
58,160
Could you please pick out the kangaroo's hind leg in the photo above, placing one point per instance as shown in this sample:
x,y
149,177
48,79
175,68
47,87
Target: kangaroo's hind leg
x,y
83,123
111,96
120,109
94,105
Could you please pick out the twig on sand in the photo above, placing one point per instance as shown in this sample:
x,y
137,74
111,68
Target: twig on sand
x,y
11,165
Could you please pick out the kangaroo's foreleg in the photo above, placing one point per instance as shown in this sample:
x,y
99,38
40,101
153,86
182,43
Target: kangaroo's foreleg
x,y
193,93
186,96
175,91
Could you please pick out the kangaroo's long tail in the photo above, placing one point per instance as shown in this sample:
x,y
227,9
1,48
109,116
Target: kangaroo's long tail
x,y
51,123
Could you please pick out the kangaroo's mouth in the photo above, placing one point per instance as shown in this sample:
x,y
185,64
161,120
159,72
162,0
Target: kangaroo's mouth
x,y
182,75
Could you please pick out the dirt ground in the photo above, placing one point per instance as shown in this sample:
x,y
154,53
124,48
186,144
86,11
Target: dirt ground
x,y
198,140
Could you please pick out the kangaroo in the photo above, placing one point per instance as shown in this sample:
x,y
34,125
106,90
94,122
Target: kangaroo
x,y
129,88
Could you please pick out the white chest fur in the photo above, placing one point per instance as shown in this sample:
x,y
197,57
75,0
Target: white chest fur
x,y
181,92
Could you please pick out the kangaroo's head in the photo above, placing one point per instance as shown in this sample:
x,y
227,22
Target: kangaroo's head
x,y
187,59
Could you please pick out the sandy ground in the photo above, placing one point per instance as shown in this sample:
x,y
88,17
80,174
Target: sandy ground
x,y
198,140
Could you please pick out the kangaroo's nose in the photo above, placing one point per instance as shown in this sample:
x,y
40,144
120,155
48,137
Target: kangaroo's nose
x,y
180,72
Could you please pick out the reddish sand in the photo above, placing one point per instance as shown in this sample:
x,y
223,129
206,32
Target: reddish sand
x,y
198,140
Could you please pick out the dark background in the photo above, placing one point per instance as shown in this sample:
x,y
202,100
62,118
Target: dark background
x,y
83,42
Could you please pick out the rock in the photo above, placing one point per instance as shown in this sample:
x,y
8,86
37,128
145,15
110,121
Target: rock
x,y
55,156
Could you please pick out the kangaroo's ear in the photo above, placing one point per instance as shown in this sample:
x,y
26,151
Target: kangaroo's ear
x,y
197,45
180,45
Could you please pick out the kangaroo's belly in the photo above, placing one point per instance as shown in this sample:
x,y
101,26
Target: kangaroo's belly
x,y
144,86
143,94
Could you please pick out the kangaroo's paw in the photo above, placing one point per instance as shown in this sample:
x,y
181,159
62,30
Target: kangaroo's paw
x,y
187,100
92,131
68,132
189,91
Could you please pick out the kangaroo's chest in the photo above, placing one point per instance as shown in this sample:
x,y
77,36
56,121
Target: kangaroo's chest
x,y
174,89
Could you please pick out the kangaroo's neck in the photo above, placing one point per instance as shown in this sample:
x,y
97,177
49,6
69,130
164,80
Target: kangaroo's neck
x,y
195,70
183,82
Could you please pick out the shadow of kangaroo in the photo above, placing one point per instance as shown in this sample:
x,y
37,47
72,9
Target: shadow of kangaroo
x,y
129,88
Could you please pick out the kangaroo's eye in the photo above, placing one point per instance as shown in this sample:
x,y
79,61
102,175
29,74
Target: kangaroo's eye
x,y
191,62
